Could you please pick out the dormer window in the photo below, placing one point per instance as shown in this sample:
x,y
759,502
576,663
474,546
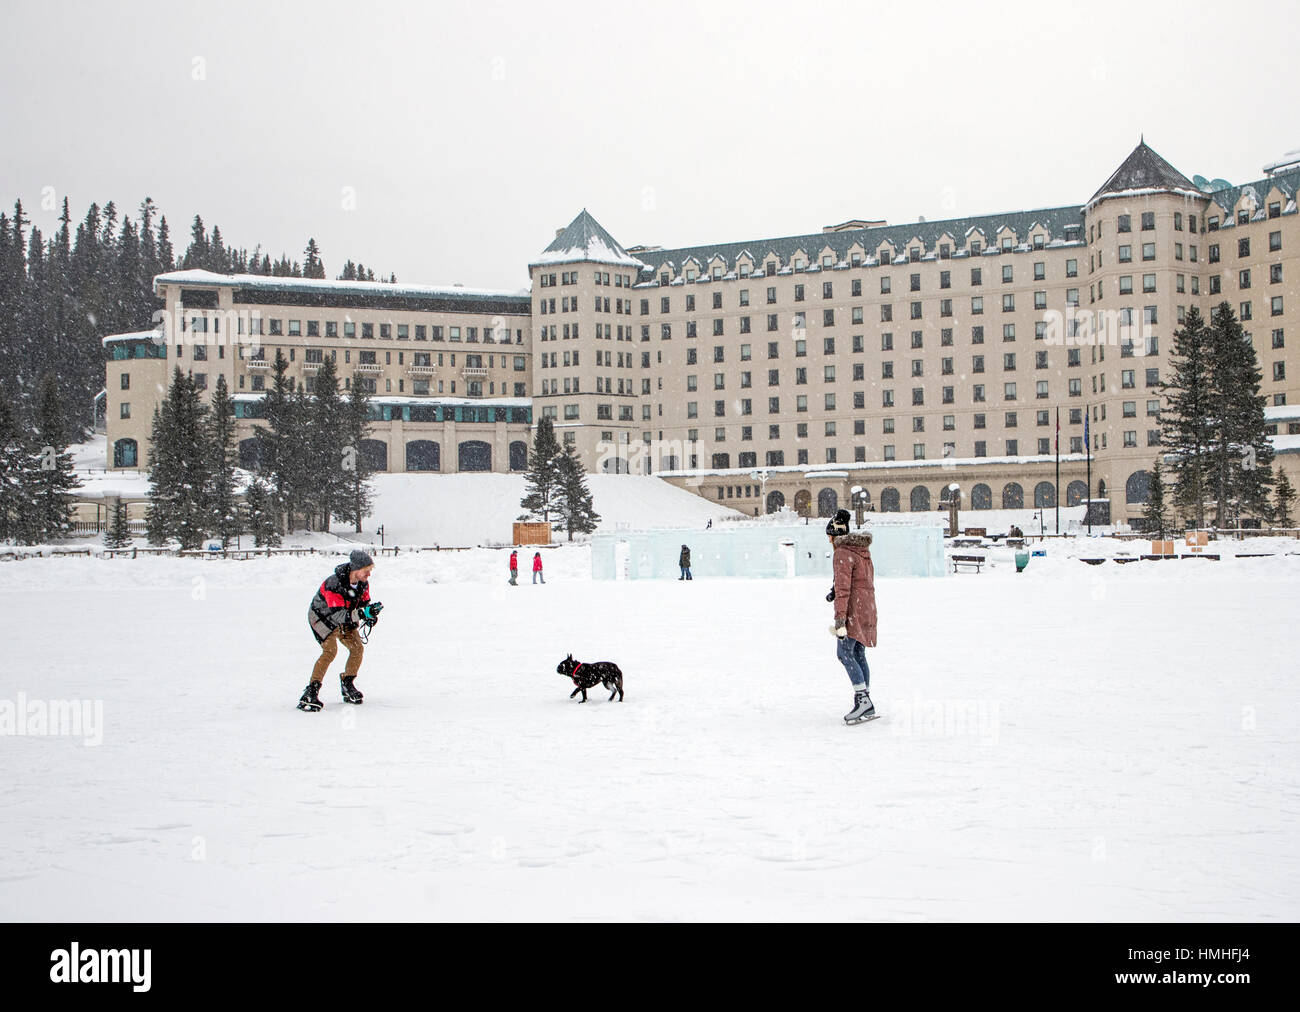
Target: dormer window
x,y
690,274
885,256
717,273
914,254
975,247
1038,241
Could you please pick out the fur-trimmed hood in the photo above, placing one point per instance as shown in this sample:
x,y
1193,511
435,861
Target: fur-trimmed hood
x,y
862,540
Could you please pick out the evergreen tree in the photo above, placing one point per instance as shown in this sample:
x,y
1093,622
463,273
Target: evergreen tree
x,y
224,521
1284,496
323,441
1156,512
17,466
261,514
359,492
575,503
118,533
197,255
312,266
1185,428
54,481
542,479
178,467
276,440
166,255
1243,453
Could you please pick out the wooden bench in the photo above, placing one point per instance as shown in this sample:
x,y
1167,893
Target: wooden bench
x,y
968,560
1015,542
967,542
976,532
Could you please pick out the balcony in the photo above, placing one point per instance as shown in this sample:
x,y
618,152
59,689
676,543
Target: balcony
x,y
422,370
311,366
474,372
370,368
257,363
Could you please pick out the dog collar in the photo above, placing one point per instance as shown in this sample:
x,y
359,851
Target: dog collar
x,y
575,671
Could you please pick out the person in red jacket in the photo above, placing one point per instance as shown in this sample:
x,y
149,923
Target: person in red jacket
x,y
514,569
340,607
537,568
854,597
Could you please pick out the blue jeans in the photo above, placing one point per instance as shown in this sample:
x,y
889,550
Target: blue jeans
x,y
853,655
686,572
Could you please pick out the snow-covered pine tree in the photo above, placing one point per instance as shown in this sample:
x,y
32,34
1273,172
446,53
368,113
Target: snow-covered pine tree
x,y
1243,453
575,503
178,467
118,532
359,502
542,479
323,442
1284,496
54,481
224,521
277,441
1185,419
261,514
1156,511
312,266
17,466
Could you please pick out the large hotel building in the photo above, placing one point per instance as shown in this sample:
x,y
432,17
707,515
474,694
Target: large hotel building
x,y
896,358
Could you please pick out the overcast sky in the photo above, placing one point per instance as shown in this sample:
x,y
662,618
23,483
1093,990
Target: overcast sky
x,y
448,142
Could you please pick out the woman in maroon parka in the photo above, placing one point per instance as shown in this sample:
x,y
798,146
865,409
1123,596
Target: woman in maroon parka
x,y
854,597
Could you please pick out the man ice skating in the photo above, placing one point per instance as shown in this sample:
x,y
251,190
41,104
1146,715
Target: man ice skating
x,y
514,569
684,561
537,568
340,606
854,597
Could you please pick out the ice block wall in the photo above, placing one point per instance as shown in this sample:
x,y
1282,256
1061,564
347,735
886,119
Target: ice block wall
x,y
760,550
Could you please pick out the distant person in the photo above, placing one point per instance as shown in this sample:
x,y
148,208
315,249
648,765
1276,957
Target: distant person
x,y
684,561
854,597
537,568
514,569
709,524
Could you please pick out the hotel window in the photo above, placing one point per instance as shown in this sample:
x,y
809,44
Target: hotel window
x,y
1008,391
1040,300
801,402
332,328
887,342
945,279
886,370
977,305
1072,268
1153,377
977,394
1148,221
1148,282
977,363
1274,241
976,276
1126,284
977,335
917,338
1275,305
1274,274
918,366
887,398
1076,388
945,366
1279,371
1006,245
1214,253
1125,223
1013,447
1243,247
1244,312
1009,361
1008,332
798,289
1125,254
980,422
1148,251
1215,284
1243,279
1007,274
1278,340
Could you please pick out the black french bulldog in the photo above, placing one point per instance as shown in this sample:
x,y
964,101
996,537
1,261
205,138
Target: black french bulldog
x,y
588,676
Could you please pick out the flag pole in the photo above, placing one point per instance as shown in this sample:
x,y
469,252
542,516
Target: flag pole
x,y
1087,439
1058,469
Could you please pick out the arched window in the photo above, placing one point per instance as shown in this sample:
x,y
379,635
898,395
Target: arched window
x,y
250,454
126,453
775,500
423,455
1013,497
1044,495
1075,493
1101,489
827,502
519,456
981,497
475,455
803,502
1138,487
889,500
375,454
920,499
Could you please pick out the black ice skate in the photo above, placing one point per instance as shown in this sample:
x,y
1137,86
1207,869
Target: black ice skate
x,y
863,708
310,700
351,694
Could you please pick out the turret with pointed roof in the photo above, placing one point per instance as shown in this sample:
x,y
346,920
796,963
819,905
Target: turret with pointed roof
x,y
1144,171
585,241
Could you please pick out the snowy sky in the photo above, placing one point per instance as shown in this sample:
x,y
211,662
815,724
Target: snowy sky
x,y
468,133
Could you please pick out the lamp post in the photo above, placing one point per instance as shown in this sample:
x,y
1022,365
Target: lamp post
x,y
1039,517
380,532
760,476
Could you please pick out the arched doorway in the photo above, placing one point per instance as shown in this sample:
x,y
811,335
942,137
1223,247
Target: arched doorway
x,y
375,454
1137,490
889,500
1044,495
1013,497
919,499
423,455
475,455
519,455
827,502
981,497
803,502
775,500
1075,493
126,453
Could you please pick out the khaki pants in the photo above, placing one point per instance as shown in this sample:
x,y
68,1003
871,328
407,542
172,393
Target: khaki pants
x,y
350,639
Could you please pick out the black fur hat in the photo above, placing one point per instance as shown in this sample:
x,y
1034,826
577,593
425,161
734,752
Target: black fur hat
x,y
838,524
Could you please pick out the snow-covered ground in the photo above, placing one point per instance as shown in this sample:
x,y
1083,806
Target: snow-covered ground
x,y
1108,743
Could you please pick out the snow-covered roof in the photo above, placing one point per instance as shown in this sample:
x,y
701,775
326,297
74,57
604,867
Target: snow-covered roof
x,y
586,241
1282,413
155,336
487,402
200,278
938,462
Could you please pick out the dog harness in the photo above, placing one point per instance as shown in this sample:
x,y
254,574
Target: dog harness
x,y
575,671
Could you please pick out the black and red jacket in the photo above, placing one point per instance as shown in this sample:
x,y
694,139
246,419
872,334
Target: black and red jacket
x,y
332,606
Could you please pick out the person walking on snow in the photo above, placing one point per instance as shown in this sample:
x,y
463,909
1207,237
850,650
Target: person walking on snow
x,y
537,568
514,569
684,561
340,606
854,597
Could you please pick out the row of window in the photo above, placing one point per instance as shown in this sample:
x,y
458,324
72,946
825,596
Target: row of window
x,y
600,277
274,327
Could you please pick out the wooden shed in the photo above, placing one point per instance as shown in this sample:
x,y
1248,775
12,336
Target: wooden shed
x,y
527,533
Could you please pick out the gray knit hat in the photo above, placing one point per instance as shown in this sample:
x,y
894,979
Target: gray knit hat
x,y
359,559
